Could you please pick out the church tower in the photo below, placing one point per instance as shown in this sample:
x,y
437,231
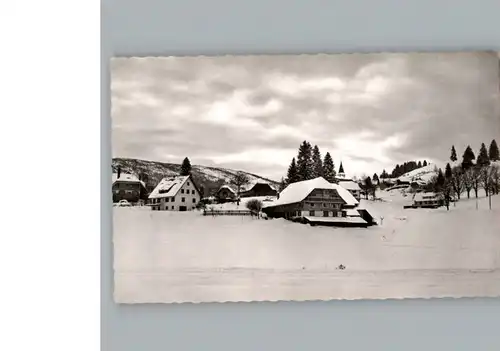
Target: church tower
x,y
341,173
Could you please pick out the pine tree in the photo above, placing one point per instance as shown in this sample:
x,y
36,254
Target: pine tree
x,y
305,162
185,167
493,152
292,175
329,168
468,158
318,163
440,181
419,164
483,159
384,175
447,173
375,178
453,156
425,163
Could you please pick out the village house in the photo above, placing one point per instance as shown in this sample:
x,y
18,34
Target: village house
x,y
127,187
318,201
257,189
427,200
253,189
226,194
347,183
177,193
352,187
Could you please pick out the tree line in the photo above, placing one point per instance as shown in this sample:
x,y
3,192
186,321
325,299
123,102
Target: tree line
x,y
309,165
471,174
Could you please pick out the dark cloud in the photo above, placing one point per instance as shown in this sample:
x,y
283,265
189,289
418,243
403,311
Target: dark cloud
x,y
371,111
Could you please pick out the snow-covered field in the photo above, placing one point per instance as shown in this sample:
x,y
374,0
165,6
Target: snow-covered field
x,y
186,257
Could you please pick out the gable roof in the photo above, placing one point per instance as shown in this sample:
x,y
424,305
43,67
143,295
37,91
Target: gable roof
x,y
170,186
228,187
296,192
349,185
246,187
126,177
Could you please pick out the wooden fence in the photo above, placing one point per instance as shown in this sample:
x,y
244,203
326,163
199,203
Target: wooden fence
x,y
228,213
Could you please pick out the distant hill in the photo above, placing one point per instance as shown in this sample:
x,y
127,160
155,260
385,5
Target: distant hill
x,y
210,178
424,174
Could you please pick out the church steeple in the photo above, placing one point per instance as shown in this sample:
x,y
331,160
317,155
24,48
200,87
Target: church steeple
x,y
341,170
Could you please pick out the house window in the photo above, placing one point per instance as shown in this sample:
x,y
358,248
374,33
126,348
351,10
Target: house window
x,y
192,192
182,191
325,213
188,183
172,207
173,199
183,199
311,213
194,201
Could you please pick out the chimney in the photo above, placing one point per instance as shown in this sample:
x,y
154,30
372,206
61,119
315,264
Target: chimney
x,y
119,172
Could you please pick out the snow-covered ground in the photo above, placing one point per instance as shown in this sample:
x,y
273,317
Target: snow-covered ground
x,y
186,257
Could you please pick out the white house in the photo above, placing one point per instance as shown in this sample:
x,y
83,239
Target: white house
x,y
178,193
351,186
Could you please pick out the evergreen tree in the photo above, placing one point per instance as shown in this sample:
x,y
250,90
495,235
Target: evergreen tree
x,y
493,152
440,181
318,163
425,163
375,178
368,187
453,156
305,161
419,165
468,158
185,167
292,175
329,168
483,159
447,173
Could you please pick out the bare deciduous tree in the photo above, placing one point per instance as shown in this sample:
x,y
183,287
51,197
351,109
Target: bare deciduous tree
x,y
457,181
240,180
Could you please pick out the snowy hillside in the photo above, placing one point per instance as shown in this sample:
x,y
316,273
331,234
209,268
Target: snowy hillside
x,y
424,174
210,178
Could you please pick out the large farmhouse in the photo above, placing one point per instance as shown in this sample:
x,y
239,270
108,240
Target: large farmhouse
x,y
318,201
178,193
128,187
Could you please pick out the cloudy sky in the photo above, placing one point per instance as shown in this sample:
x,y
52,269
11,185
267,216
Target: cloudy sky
x,y
252,112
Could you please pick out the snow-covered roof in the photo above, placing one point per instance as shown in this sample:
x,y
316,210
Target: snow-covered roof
x,y
352,213
126,177
228,188
426,196
296,192
336,219
349,185
169,186
247,187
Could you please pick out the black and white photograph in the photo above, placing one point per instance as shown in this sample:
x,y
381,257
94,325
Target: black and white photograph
x,y
305,177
